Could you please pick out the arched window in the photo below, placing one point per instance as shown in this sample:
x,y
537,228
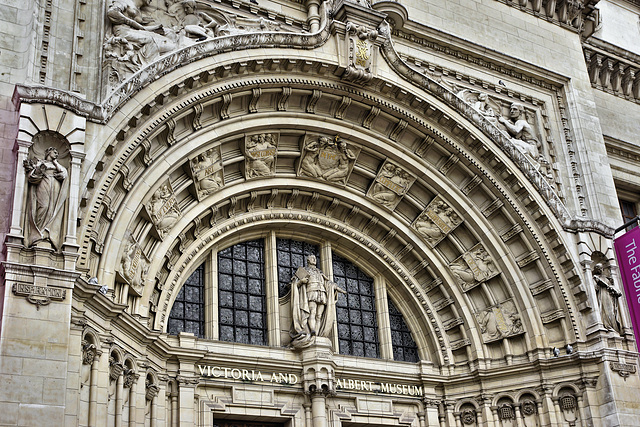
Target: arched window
x,y
231,303
187,313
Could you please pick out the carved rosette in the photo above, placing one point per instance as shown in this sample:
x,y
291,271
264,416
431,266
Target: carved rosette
x,y
327,159
436,221
499,321
260,155
473,267
163,209
390,185
468,417
207,172
134,266
528,408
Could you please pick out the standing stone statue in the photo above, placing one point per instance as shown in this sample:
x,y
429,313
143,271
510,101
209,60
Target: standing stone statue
x,y
313,304
607,299
47,195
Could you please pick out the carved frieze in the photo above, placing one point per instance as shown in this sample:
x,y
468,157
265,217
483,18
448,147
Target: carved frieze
x,y
473,267
327,159
260,154
436,221
134,266
390,185
163,209
499,321
207,172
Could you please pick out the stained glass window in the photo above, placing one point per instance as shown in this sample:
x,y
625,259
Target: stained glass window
x,y
241,293
291,255
356,311
404,347
187,313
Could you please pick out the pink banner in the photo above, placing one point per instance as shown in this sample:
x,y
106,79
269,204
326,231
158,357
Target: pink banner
x,y
627,249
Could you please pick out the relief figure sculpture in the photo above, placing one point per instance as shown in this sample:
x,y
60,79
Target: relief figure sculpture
x,y
521,132
260,154
194,22
163,209
134,266
207,172
313,304
329,159
390,185
47,195
608,297
436,221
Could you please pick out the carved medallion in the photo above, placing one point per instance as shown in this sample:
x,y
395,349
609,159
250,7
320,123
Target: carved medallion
x,y
260,153
499,321
134,266
436,221
390,185
206,169
473,267
327,159
360,50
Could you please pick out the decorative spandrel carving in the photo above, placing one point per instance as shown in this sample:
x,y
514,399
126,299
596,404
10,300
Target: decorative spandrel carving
x,y
207,172
138,33
48,192
163,209
134,266
521,132
260,153
436,221
390,185
499,321
361,51
313,304
327,159
488,107
608,297
473,267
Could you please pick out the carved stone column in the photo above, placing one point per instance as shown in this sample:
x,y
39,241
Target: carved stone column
x,y
431,409
16,235
313,15
318,378
93,388
186,395
119,399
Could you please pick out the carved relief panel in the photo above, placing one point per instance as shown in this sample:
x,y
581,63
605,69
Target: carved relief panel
x,y
390,185
473,267
134,266
436,221
260,154
361,52
163,209
328,159
499,321
207,172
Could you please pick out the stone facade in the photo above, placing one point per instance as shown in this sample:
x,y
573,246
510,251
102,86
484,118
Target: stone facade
x,y
455,169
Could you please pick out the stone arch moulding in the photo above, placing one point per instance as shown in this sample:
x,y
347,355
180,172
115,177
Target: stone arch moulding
x,y
169,161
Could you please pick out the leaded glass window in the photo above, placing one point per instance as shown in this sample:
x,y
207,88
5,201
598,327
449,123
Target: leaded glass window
x,y
291,254
187,313
241,293
404,347
356,311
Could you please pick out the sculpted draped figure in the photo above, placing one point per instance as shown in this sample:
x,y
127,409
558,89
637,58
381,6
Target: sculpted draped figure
x,y
313,304
607,299
47,195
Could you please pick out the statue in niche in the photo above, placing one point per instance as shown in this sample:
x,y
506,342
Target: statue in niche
x,y
260,155
329,159
134,266
437,220
390,185
521,133
207,172
499,321
48,192
313,304
607,297
163,209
